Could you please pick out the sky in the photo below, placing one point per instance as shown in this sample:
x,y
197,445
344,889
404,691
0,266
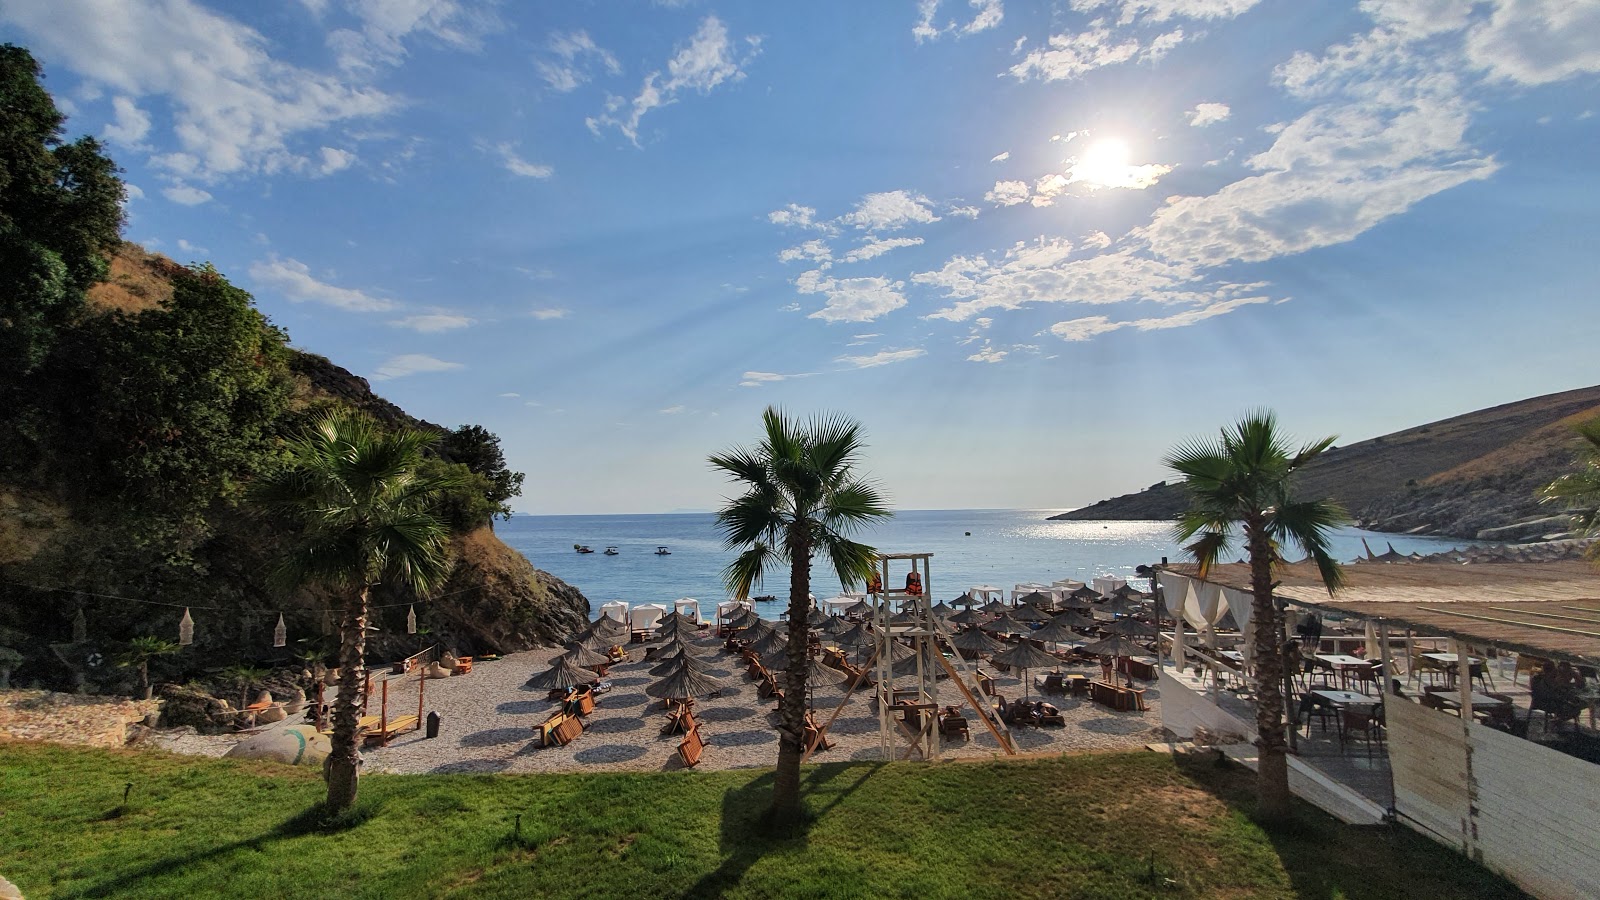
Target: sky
x,y
1029,246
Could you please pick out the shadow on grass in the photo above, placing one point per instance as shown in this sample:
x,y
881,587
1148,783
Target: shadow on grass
x,y
1326,859
315,820
746,836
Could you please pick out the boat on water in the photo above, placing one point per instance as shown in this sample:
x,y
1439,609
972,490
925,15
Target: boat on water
x,y
663,551
764,598
581,548
611,551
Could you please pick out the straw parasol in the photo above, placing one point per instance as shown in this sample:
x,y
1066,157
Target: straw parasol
x,y
1075,619
1029,613
583,656
743,617
1120,606
835,625
859,635
755,630
676,618
1039,599
994,607
1131,593
677,644
1073,601
1130,628
1085,593
675,662
1005,625
942,610
859,608
965,600
1116,646
685,683
968,617
562,674
593,642
1024,656
608,625
815,618
770,642
1056,631
975,641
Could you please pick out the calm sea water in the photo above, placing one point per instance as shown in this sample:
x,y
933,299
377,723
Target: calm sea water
x,y
1004,547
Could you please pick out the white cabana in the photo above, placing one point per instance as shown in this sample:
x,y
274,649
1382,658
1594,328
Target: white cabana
x,y
835,606
727,609
1067,585
616,609
645,616
687,606
987,592
1105,584
1022,590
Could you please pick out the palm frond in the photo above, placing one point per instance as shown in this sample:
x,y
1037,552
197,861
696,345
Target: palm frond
x,y
746,571
756,516
1207,549
1308,523
852,561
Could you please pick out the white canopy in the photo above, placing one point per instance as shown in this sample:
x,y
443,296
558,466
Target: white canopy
x,y
687,606
1105,584
834,606
616,609
1067,584
645,616
729,608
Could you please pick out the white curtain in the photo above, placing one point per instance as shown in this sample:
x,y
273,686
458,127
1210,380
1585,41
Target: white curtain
x,y
1177,646
1374,653
1241,605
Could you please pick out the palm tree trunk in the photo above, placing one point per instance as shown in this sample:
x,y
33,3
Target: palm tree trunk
x,y
144,678
1271,736
341,768
792,716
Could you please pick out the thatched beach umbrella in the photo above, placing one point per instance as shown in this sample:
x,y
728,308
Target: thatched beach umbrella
x,y
1073,601
1120,606
968,617
743,617
1056,631
1025,656
1085,593
859,608
1130,628
1116,646
835,626
975,641
943,610
668,666
1029,613
859,635
583,656
561,675
1074,618
1005,625
965,600
1038,599
771,642
995,607
755,630
595,642
685,683
1132,593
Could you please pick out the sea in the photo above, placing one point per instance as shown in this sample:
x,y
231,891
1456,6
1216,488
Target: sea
x,y
970,547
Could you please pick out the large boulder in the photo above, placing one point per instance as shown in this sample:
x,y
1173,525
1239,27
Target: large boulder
x,y
299,745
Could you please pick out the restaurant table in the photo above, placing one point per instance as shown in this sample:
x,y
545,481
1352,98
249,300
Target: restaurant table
x,y
1479,701
1342,700
1450,662
1341,665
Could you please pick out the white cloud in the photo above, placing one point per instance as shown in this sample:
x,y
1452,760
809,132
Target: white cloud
x,y
1162,10
518,166
757,379
1083,329
433,324
134,191
1069,56
411,364
186,195
709,60
881,358
1000,157
1008,193
1091,326
235,107
989,354
873,249
293,279
814,250
335,160
890,211
1095,240
852,299
545,315
964,212
511,395
1205,114
1538,41
577,55
130,124
986,15
187,247
386,24
672,410
795,216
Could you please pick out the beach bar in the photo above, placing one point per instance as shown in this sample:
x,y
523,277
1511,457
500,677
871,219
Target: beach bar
x,y
1463,698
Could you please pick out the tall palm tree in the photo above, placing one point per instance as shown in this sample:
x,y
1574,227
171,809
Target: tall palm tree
x,y
802,499
1241,483
1579,491
363,517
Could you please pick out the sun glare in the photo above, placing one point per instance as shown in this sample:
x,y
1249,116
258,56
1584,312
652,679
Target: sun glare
x,y
1108,163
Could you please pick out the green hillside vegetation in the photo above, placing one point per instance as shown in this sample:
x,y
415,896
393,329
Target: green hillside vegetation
x,y
1096,826
142,398
1464,476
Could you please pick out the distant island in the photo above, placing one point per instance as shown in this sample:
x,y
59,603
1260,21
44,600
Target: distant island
x,y
1470,476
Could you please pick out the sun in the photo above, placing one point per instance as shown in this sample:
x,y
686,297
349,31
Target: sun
x,y
1104,163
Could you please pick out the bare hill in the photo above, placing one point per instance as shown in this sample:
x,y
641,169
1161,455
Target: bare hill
x,y
1472,475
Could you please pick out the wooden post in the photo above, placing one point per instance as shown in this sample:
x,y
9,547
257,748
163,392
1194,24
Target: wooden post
x,y
1383,654
982,712
1464,676
421,684
383,714
366,691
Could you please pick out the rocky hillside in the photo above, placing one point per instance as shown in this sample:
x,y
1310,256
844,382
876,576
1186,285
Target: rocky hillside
x,y
1469,476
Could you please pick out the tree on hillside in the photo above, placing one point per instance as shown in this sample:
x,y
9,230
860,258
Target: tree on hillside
x,y
363,517
802,498
1242,481
1579,491
478,449
60,209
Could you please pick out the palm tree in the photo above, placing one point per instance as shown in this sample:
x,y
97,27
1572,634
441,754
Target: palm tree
x,y
1242,481
363,516
138,654
1580,491
801,499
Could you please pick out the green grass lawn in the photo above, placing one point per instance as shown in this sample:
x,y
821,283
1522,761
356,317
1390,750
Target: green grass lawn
x,y
1079,826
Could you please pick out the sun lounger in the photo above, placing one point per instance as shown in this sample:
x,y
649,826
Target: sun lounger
x,y
690,748
952,724
814,738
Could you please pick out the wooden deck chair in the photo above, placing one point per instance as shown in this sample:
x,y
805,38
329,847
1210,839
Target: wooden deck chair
x,y
690,748
568,730
952,724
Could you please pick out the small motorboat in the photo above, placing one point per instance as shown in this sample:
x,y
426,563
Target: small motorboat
x,y
611,551
662,551
765,598
581,548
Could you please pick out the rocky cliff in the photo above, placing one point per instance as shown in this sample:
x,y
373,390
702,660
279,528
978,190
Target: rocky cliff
x,y
1469,476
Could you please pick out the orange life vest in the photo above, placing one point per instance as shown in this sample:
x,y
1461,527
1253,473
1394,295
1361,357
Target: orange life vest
x,y
874,584
914,584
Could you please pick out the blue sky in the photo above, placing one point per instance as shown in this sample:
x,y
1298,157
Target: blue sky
x,y
1030,245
